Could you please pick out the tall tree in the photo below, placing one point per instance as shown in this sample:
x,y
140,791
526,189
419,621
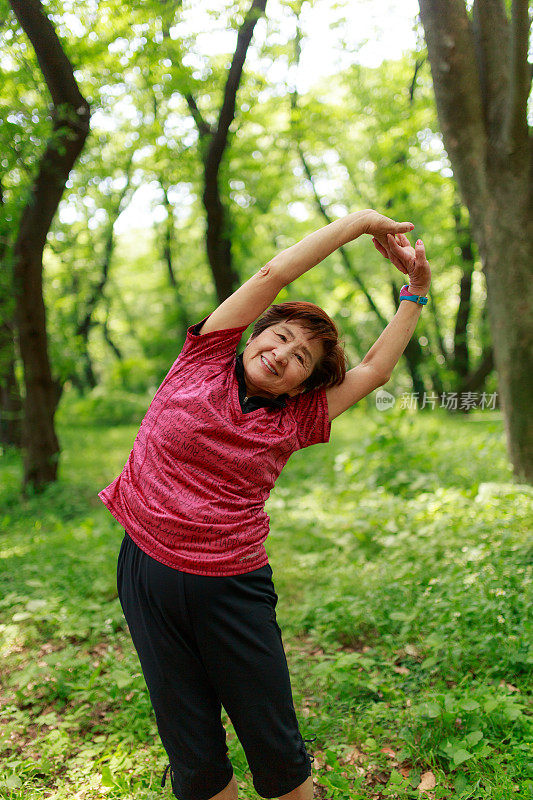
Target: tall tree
x,y
482,79
10,400
70,126
214,141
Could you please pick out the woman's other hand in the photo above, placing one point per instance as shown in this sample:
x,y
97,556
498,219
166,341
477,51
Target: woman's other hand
x,y
410,260
379,226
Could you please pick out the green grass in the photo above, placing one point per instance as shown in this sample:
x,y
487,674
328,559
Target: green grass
x,y
401,561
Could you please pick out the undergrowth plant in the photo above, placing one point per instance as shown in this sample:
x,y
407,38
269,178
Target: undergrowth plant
x,y
402,559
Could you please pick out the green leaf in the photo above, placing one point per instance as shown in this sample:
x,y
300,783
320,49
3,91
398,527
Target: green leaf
x,y
460,782
511,711
107,777
469,705
460,756
396,778
337,781
432,710
13,782
121,678
473,738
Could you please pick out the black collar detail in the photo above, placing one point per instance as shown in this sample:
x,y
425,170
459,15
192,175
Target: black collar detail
x,y
255,401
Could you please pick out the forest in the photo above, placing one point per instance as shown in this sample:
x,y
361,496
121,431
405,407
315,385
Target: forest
x,y
154,156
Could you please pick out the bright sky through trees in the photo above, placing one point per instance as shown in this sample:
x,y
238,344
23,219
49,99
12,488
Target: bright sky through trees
x,y
335,35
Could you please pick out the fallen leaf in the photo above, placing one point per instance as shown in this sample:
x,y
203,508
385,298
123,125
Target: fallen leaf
x,y
353,755
401,670
389,752
427,782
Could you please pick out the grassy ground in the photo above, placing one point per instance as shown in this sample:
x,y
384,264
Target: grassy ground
x,y
400,559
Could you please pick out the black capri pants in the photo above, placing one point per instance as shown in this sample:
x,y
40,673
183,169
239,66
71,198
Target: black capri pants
x,y
205,642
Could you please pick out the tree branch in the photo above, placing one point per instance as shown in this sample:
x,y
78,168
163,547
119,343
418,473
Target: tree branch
x,y
204,129
492,40
227,112
218,242
420,61
461,350
54,64
450,46
114,213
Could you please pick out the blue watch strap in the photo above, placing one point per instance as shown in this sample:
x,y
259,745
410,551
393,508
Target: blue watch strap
x,y
416,298
421,301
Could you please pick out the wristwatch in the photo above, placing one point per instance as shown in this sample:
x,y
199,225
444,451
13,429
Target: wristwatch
x,y
405,294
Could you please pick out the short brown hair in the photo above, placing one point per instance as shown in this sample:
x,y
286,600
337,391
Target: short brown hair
x,y
331,369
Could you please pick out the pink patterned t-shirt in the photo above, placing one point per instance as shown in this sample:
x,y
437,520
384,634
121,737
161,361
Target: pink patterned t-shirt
x,y
193,490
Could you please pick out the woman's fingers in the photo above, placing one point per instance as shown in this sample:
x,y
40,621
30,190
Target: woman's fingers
x,y
403,240
420,252
394,246
401,246
403,227
400,256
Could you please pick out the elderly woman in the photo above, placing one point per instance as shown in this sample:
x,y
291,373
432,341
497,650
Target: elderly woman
x,y
193,574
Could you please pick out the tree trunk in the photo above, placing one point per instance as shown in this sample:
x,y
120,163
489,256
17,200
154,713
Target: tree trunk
x,y
510,306
461,354
482,80
214,142
169,237
70,116
10,400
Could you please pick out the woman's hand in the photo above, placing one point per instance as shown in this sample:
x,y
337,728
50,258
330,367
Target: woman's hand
x,y
408,259
379,226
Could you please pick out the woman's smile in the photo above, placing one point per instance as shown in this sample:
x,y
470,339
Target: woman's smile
x,y
267,365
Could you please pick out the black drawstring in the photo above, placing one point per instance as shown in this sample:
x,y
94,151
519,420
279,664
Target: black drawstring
x,y
313,739
164,778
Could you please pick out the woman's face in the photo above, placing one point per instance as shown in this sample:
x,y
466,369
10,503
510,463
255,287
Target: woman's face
x,y
280,359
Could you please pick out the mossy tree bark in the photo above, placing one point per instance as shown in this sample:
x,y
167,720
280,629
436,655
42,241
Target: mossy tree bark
x,y
482,81
70,118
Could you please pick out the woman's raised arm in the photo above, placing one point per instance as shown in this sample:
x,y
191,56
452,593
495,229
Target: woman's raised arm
x,y
251,299
376,367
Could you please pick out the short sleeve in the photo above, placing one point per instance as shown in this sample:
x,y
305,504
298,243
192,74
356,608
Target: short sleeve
x,y
312,416
216,346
